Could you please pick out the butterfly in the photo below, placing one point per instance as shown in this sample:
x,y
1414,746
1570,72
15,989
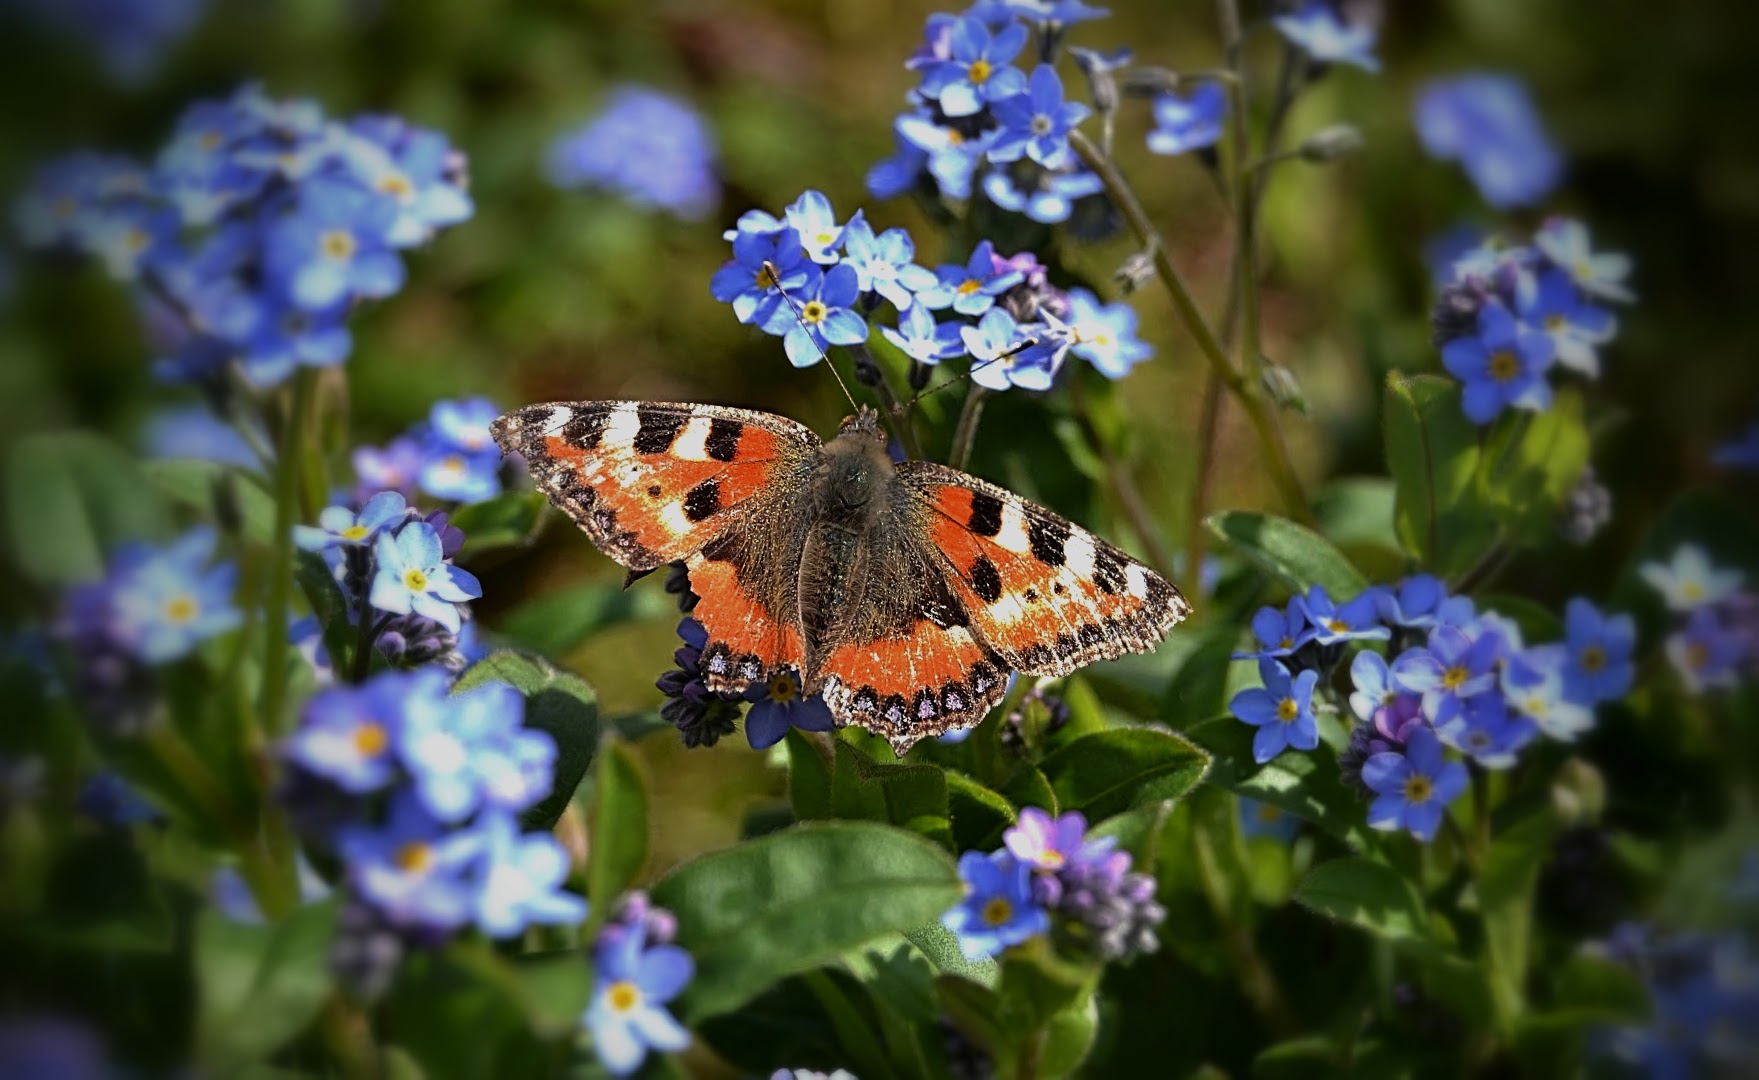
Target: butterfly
x,y
904,593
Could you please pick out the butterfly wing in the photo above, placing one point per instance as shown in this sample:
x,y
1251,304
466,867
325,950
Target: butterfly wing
x,y
654,482
1046,595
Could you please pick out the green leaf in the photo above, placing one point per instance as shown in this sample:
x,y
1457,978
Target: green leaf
x,y
328,603
71,499
1531,464
556,622
1109,772
619,825
975,1010
809,776
1139,832
102,896
1294,554
1199,686
502,521
910,796
192,484
557,703
1506,883
979,814
1365,894
1306,785
942,948
1357,513
260,985
789,901
1027,786
1037,984
1433,453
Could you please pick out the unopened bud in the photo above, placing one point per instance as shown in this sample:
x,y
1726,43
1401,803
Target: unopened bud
x,y
1283,388
1102,81
1329,144
1136,271
1579,793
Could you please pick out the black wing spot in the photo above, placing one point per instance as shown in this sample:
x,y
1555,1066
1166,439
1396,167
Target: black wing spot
x,y
1057,587
723,438
703,500
1048,538
1108,573
1032,596
656,429
986,514
1090,634
986,581
587,426
654,491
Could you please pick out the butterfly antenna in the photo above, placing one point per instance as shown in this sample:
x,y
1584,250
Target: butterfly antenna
x,y
775,275
957,379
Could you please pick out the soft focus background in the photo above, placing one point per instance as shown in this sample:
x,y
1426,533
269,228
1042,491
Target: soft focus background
x,y
550,294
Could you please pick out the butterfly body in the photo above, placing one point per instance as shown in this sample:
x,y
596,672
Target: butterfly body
x,y
903,592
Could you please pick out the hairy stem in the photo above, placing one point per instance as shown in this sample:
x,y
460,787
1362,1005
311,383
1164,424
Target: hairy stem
x,y
965,434
1196,532
273,702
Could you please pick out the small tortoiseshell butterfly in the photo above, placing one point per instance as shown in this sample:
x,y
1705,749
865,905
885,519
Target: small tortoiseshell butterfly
x,y
904,593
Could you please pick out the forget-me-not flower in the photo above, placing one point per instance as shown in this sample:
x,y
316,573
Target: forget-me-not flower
x,y
970,289
348,734
1486,730
779,704
1279,632
977,71
1487,123
812,217
1323,33
1413,789
1036,123
1535,684
822,319
924,339
755,289
1281,710
340,526
1565,242
1047,196
885,263
998,360
1502,365
163,602
1329,622
1598,663
1689,581
414,577
1105,334
414,870
522,880
1453,666
1705,652
334,246
1554,306
998,910
1189,121
627,1016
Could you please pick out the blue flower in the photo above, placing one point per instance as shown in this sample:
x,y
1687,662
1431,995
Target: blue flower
x,y
461,460
1487,123
953,154
1055,13
1454,666
977,71
414,870
1598,665
1375,687
1036,123
1535,684
1502,365
1105,334
649,148
127,236
823,318
1414,788
1421,602
1689,580
756,295
885,263
891,177
812,217
287,336
627,1016
162,603
1565,242
394,466
1325,35
417,170
412,577
780,704
1186,122
1553,305
1330,623
998,361
1706,653
1042,842
472,749
522,880
970,289
1279,633
998,910
340,526
107,797
348,735
66,194
1741,453
1487,730
1281,710
1260,820
923,339
1047,196
334,246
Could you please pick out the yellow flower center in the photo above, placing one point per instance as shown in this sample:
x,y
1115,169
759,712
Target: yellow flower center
x,y
1593,658
1041,124
181,608
814,311
414,857
415,580
623,996
1286,643
355,532
998,911
980,70
136,240
370,739
969,286
397,186
1052,859
453,464
784,688
337,244
766,278
1504,365
1554,323
1267,814
1697,656
1337,626
954,138
1692,591
1535,706
1287,710
64,208
208,141
1418,789
1454,678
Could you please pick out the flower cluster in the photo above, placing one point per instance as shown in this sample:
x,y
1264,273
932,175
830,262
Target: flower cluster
x,y
1052,878
638,970
1716,643
1487,122
1510,313
646,147
702,715
450,456
813,281
394,568
418,791
1452,678
257,228
1331,32
1704,999
152,606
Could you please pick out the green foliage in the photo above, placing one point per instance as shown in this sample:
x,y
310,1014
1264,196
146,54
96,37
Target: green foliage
x,y
1293,554
1433,453
620,820
1369,895
71,499
261,985
1306,785
1109,772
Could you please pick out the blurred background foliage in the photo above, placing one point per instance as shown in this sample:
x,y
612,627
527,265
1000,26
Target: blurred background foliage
x,y
547,294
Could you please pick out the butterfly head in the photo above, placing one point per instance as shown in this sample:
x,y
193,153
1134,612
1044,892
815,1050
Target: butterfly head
x,y
864,424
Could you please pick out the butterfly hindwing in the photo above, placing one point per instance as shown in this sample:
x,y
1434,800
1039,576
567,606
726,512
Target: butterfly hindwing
x,y
651,482
747,603
1046,595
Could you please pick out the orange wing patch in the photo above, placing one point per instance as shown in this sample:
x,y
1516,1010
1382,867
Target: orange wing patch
x,y
747,643
932,680
1047,595
650,482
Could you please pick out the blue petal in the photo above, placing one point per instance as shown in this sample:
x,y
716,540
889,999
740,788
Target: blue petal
x,y
1270,741
1255,706
844,327
801,349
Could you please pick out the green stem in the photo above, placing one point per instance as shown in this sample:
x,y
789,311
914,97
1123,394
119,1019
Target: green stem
x,y
1243,191
1256,978
1271,446
1196,531
273,702
1124,491
1480,814
965,434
